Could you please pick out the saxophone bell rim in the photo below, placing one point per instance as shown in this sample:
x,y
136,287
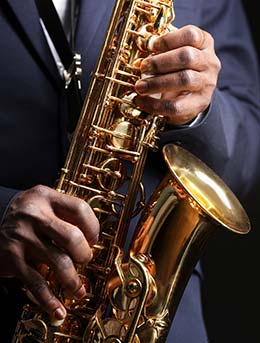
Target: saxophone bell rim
x,y
206,188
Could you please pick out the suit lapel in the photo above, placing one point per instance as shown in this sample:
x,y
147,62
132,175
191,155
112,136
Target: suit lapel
x,y
94,16
27,16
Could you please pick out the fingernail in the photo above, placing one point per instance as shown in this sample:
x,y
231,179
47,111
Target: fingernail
x,y
141,86
151,42
59,313
57,323
80,293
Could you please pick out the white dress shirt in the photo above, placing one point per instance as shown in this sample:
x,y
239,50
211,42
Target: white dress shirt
x,y
63,10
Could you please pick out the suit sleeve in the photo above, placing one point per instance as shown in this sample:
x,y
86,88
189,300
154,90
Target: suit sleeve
x,y
228,138
6,195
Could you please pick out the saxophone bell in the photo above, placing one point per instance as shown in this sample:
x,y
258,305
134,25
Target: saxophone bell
x,y
185,210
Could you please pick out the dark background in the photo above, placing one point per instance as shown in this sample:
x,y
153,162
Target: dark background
x,y
232,263
253,15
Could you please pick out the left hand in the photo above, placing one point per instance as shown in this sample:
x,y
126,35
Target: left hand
x,y
184,70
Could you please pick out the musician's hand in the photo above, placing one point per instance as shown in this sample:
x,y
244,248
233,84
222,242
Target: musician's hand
x,y
43,226
185,69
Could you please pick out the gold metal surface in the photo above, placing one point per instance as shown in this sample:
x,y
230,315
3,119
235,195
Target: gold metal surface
x,y
132,293
206,189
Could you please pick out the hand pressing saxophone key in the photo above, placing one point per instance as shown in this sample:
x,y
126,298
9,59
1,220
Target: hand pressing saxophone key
x,y
184,69
44,227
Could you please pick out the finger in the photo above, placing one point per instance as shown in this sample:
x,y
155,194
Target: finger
x,y
47,227
42,253
189,35
184,80
174,60
179,111
77,212
65,272
39,289
42,202
67,237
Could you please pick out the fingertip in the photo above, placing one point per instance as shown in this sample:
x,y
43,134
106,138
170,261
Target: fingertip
x,y
141,87
58,316
59,313
154,43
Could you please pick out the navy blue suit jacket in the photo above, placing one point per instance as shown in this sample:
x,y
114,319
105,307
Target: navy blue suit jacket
x,y
33,110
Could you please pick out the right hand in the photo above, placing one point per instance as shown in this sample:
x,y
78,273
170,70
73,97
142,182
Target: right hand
x,y
184,69
43,226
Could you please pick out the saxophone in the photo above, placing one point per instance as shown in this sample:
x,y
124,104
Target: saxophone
x,y
133,289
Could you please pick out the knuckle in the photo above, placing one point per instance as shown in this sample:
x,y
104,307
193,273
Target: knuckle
x,y
196,37
40,190
29,209
37,287
151,84
164,43
82,207
193,35
155,64
76,238
27,203
169,107
61,261
72,284
185,78
79,249
187,56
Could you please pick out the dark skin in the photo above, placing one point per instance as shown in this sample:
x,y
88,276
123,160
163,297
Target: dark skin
x,y
43,226
35,219
185,69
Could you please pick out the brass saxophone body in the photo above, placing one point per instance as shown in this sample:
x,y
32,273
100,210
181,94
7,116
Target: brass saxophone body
x,y
132,293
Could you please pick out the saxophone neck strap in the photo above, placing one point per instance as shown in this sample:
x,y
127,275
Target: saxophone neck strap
x,y
71,60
